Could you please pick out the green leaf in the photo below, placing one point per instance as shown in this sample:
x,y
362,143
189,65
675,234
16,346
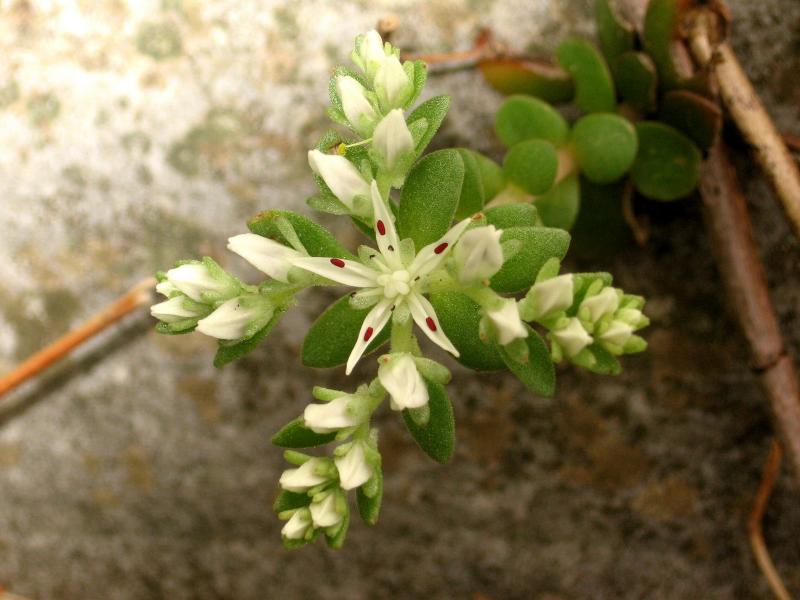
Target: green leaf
x,y
540,78
336,540
491,176
331,338
660,37
559,207
637,80
227,352
593,84
296,435
522,118
438,438
513,215
694,115
460,319
430,197
317,240
538,374
532,165
369,507
604,146
538,245
600,231
667,166
616,35
288,500
472,194
433,111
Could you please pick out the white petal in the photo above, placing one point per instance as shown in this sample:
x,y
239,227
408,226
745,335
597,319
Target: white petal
x,y
400,377
330,416
392,139
356,107
303,477
340,270
618,333
552,295
392,83
507,322
324,514
373,323
268,256
597,306
478,254
432,255
354,470
229,321
372,48
385,231
340,175
193,279
425,317
573,338
172,310
296,527
165,288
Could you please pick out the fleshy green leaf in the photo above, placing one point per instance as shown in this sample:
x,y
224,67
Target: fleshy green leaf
x,y
227,352
522,118
531,165
438,438
661,26
538,245
491,176
513,215
538,374
667,166
637,80
600,230
693,114
559,207
296,435
433,111
616,35
369,507
460,317
539,78
317,240
594,88
288,500
605,146
430,197
331,338
472,194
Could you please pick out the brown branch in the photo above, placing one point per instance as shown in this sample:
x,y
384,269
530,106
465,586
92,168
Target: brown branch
x,y
792,141
137,296
755,520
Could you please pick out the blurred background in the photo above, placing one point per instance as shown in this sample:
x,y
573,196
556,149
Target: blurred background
x,y
133,134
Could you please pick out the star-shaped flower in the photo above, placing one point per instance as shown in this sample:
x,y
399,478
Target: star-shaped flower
x,y
390,278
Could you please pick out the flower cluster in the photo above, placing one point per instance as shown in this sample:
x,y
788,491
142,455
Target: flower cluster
x,y
435,259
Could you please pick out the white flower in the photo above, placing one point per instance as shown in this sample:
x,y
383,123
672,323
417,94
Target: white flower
x,y
552,295
389,279
370,54
354,470
172,310
355,104
400,377
392,140
165,288
595,307
392,84
618,333
340,175
330,416
193,279
266,255
232,318
507,322
303,478
478,254
296,527
324,513
573,338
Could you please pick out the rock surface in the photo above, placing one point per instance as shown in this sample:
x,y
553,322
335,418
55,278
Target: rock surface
x,y
138,133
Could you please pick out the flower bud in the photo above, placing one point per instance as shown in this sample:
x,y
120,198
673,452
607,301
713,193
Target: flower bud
x,y
392,140
617,334
297,526
392,84
266,255
507,323
478,254
340,175
331,416
595,307
573,337
304,477
195,279
173,310
550,296
237,318
355,104
165,288
369,53
399,376
354,470
324,513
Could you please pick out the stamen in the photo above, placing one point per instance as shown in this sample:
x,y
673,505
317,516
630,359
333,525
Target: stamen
x,y
368,333
381,227
430,323
440,248
337,262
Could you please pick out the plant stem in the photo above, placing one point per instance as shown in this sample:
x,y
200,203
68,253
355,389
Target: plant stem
x,y
137,296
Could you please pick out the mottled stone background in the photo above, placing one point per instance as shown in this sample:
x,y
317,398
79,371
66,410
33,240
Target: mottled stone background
x,y
137,133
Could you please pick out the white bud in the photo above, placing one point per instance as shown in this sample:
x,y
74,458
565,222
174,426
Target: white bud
x,y
232,318
172,310
302,478
399,376
266,255
193,279
392,139
552,295
296,527
618,333
165,288
340,175
330,416
392,84
507,322
595,307
632,316
371,53
355,104
478,254
324,513
573,338
354,470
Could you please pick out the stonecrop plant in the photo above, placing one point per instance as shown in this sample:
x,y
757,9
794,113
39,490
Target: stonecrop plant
x,y
482,283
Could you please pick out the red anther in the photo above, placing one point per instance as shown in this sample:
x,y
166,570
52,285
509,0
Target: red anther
x,y
431,324
440,248
368,333
381,227
337,262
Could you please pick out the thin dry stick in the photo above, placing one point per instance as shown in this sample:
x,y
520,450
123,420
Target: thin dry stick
x,y
745,107
755,520
137,296
450,61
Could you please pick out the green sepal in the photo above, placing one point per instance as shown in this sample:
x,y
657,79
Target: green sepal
x,y
287,500
594,88
178,327
604,146
296,435
539,244
317,240
472,193
328,204
460,319
369,506
605,363
516,214
538,373
228,352
336,540
432,370
438,438
331,338
616,35
430,197
420,77
522,118
560,206
433,111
